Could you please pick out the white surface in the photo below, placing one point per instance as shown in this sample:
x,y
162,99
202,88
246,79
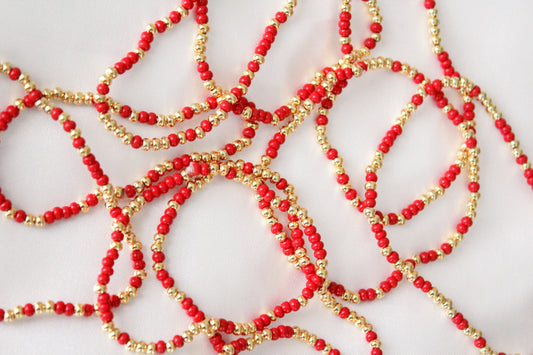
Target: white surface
x,y
219,249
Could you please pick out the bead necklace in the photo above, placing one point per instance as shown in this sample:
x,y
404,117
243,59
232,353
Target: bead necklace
x,y
251,112
499,122
188,173
34,98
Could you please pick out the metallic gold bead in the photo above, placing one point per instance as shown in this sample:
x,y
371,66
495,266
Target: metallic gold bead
x,y
39,307
194,328
9,316
228,349
386,251
411,276
132,291
179,296
375,343
18,311
170,345
303,301
150,348
29,221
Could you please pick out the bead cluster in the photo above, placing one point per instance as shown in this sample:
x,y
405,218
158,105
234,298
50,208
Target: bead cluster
x,y
299,239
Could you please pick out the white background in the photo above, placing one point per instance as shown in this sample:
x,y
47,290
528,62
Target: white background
x,y
219,250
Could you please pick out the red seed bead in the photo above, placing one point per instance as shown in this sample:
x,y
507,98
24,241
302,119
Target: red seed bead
x,y
187,4
417,99
426,287
253,66
20,216
462,325
346,48
29,310
160,347
480,342
281,17
370,336
178,341
69,310
137,142
320,344
231,148
344,312
396,66
102,89
160,26
123,338
14,73
91,200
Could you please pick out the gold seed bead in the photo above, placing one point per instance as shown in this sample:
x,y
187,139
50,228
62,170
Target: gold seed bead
x,y
18,311
170,345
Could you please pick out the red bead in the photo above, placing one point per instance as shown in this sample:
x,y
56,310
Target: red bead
x,y
320,344
168,282
14,73
123,338
396,66
136,142
480,342
446,248
371,294
429,4
417,99
253,66
370,43
69,310
230,148
393,257
20,216
174,16
473,187
78,143
144,45
344,312
29,310
426,287
69,125
160,347
190,135
522,159
346,48
376,27
370,336
187,4
281,17
462,325
160,26
102,89
91,200
136,282
343,179
475,91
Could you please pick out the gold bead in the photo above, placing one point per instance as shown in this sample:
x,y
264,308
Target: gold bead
x,y
9,316
18,312
39,307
